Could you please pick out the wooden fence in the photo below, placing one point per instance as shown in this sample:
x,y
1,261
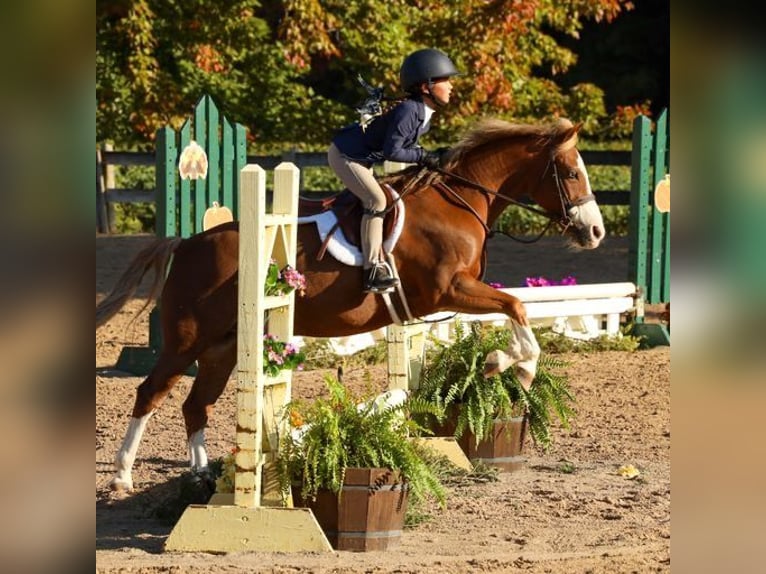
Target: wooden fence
x,y
107,159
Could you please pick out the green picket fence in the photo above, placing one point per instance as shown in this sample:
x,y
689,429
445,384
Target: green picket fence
x,y
181,203
649,229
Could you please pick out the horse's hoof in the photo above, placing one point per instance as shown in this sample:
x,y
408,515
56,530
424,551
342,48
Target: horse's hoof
x,y
121,485
205,476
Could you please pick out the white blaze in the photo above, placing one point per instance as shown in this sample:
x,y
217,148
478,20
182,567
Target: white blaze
x,y
588,215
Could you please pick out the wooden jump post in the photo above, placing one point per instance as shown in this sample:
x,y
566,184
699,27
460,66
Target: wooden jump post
x,y
252,519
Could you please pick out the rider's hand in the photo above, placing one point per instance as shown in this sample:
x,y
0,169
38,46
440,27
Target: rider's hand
x,y
431,159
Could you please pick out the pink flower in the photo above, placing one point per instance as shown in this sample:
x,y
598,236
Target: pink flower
x,y
537,282
543,282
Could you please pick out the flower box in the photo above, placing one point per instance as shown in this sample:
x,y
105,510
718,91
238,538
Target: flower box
x,y
502,450
367,514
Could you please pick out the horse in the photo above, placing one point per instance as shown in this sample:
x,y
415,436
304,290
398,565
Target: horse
x,y
439,257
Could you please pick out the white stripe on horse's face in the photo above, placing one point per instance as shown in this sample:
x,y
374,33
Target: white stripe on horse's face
x,y
587,217
581,166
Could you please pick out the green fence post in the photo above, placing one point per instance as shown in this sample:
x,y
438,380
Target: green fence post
x,y
647,260
179,211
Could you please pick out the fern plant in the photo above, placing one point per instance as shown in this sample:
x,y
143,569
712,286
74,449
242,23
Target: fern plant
x,y
453,381
344,430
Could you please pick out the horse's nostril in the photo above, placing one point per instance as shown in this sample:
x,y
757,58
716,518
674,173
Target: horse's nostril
x,y
598,231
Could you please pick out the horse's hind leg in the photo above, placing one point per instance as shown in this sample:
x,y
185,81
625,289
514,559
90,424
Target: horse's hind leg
x,y
214,367
149,396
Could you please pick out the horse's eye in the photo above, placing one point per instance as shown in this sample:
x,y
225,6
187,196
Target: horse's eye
x,y
572,174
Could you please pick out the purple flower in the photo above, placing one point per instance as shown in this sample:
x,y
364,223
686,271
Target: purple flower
x,y
537,282
543,282
495,284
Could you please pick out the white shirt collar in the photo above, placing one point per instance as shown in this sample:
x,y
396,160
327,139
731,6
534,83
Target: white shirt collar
x,y
429,113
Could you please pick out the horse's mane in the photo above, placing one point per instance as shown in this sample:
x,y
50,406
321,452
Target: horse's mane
x,y
488,131
491,130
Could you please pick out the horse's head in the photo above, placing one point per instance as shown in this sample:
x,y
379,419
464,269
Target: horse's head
x,y
539,161
564,190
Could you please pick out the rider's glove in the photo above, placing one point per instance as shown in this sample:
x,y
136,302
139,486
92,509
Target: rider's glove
x,y
430,159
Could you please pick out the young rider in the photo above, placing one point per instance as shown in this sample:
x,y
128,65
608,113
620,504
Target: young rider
x,y
425,77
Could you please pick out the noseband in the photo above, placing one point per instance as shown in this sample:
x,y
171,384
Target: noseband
x,y
566,202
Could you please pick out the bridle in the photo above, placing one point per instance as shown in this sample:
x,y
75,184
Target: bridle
x,y
566,202
565,221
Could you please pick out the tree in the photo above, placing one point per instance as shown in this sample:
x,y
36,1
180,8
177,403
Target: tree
x,y
287,68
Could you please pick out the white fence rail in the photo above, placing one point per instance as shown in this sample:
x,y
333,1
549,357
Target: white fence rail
x,y
578,311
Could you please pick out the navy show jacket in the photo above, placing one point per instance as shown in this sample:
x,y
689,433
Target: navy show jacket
x,y
392,136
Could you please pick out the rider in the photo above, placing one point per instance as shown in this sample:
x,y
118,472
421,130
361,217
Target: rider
x,y
425,77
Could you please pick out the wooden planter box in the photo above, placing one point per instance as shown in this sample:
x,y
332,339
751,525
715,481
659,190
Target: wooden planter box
x,y
368,514
503,450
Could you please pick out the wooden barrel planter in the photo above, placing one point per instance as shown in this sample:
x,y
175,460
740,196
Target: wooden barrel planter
x,y
502,450
368,514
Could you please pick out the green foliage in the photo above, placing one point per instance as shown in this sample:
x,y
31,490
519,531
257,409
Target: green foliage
x,y
286,69
319,355
454,381
279,356
320,179
134,217
556,343
334,434
156,59
586,102
620,123
548,396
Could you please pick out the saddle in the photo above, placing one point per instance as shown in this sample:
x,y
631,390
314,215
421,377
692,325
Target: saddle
x,y
348,212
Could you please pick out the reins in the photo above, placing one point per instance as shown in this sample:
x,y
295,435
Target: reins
x,y
489,191
566,203
565,222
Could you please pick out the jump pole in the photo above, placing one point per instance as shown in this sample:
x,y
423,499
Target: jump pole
x,y
250,521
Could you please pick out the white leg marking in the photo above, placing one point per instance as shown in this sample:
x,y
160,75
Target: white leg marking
x,y
526,368
523,353
126,456
197,452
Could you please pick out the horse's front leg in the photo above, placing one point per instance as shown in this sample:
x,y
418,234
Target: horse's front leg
x,y
469,295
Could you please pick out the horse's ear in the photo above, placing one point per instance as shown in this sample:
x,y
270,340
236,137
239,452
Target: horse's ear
x,y
566,138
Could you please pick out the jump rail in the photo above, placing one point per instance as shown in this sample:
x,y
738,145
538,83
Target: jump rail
x,y
579,311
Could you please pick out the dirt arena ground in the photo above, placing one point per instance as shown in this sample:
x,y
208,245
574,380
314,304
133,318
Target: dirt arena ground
x,y
567,511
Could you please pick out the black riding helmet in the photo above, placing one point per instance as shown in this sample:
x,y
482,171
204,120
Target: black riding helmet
x,y
425,66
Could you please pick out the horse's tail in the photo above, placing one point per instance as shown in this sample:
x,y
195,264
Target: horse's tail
x,y
157,256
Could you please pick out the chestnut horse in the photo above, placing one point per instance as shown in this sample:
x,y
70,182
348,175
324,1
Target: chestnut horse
x,y
439,255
